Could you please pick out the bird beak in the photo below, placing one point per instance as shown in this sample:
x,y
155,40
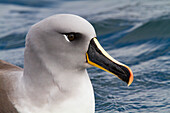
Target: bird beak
x,y
98,57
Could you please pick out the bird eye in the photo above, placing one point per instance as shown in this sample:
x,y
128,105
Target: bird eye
x,y
69,37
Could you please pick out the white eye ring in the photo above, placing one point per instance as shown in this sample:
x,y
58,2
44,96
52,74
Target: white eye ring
x,y
65,36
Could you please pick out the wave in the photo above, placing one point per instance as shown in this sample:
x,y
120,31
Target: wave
x,y
124,33
156,30
32,3
12,41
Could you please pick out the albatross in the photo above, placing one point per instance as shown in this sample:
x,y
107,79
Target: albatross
x,y
58,50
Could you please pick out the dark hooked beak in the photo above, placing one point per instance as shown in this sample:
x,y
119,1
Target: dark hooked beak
x,y
98,57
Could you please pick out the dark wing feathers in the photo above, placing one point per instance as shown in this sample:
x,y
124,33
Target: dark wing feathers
x,y
6,105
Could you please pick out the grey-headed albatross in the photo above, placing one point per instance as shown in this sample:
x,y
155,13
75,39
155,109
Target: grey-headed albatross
x,y
54,79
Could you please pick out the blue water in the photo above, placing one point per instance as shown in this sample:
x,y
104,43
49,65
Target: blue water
x,y
135,32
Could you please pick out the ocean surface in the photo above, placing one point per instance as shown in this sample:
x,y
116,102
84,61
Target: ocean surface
x,y
135,32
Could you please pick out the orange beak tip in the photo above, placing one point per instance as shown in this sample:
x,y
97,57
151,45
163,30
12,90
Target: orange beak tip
x,y
130,78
